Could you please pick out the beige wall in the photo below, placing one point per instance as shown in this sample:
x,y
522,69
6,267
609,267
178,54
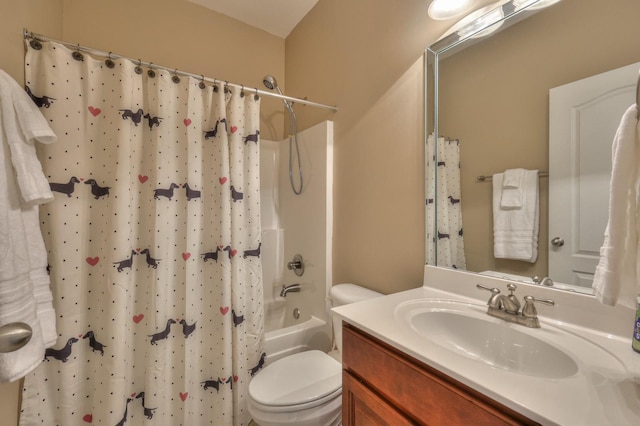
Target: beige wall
x,y
365,57
182,35
495,100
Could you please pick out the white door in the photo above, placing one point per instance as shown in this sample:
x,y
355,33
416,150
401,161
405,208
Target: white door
x,y
583,118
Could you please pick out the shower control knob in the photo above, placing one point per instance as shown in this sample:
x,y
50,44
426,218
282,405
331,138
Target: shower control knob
x,y
297,265
557,242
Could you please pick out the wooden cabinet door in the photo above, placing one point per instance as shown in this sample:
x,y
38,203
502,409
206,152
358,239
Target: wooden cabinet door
x,y
362,407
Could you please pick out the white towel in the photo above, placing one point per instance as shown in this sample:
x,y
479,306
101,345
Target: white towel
x,y
511,197
515,231
25,295
617,279
23,124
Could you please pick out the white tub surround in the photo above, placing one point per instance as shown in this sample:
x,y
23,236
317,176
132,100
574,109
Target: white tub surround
x,y
604,389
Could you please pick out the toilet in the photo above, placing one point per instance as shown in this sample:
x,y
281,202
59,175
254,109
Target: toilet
x,y
305,389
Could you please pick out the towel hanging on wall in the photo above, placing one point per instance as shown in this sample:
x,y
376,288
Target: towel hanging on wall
x,y
617,278
515,230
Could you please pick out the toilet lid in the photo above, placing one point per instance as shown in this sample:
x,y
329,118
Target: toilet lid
x,y
297,379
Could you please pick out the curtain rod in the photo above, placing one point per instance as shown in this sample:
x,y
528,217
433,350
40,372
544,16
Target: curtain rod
x,y
39,37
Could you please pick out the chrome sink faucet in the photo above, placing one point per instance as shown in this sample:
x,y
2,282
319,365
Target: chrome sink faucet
x,y
507,307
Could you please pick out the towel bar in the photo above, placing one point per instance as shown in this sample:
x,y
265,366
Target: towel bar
x,y
488,178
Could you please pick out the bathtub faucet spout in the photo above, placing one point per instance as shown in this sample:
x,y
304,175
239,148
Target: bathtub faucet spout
x,y
293,288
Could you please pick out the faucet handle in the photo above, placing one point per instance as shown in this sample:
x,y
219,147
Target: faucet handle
x,y
529,309
493,290
493,300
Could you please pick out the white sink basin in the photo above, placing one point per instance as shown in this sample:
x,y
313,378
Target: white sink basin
x,y
467,330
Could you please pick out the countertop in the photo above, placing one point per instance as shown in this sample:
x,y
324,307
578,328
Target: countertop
x,y
597,394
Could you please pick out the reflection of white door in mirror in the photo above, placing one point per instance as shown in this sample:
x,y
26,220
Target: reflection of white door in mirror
x,y
583,118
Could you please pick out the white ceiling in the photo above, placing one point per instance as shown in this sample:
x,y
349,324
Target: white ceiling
x,y
278,17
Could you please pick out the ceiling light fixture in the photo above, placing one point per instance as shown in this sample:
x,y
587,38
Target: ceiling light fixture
x,y
442,10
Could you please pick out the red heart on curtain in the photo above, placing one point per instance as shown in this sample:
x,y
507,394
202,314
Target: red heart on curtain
x,y
93,261
133,395
87,418
186,256
142,178
234,129
95,111
234,252
235,378
222,180
183,396
138,318
187,121
224,310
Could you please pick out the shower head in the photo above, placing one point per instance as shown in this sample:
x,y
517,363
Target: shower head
x,y
271,84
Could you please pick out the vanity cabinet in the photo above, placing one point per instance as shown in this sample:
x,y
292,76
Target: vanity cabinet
x,y
383,386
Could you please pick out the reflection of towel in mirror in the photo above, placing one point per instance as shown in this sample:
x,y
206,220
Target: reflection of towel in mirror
x,y
515,231
511,197
617,279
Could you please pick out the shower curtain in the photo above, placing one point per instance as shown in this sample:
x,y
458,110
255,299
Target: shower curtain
x,y
153,245
445,242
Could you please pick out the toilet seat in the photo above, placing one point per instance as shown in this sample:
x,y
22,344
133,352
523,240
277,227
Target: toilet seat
x,y
297,382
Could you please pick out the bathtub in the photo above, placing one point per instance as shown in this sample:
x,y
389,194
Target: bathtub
x,y
287,335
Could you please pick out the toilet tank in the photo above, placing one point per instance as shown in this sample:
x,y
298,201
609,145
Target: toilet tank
x,y
343,294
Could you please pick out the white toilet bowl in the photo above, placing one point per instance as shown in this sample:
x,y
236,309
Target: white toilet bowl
x,y
304,389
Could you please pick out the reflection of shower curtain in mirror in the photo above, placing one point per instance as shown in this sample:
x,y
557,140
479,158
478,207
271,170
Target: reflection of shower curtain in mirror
x,y
444,204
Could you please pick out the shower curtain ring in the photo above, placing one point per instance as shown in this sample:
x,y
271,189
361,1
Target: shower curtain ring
x,y
202,85
175,77
215,85
226,87
242,90
138,68
150,72
108,62
35,44
256,96
77,55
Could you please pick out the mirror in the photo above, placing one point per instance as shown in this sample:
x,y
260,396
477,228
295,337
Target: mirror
x,y
490,96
